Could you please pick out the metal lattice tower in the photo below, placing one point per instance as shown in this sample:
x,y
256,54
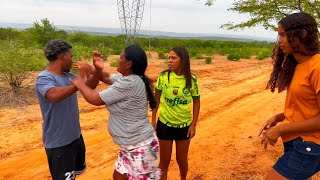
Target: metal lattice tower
x,y
130,19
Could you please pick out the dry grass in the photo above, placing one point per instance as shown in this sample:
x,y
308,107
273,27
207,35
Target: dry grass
x,y
21,97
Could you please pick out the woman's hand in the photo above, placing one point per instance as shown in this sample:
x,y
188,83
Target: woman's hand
x,y
191,131
78,81
271,136
268,124
85,69
98,60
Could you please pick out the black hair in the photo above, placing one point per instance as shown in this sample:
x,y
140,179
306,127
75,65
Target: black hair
x,y
138,57
56,47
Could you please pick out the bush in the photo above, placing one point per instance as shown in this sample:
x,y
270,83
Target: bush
x,y
45,31
9,34
264,54
208,60
80,38
114,63
192,53
161,55
16,61
199,56
234,57
80,51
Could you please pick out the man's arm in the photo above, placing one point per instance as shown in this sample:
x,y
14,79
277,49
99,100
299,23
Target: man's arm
x,y
57,94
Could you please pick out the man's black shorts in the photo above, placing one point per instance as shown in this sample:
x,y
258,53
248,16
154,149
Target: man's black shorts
x,y
165,132
67,161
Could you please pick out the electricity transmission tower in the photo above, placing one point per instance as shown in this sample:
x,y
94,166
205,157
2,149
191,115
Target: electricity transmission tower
x,y
130,18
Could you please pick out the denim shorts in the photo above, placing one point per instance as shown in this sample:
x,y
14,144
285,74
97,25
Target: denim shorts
x,y
301,159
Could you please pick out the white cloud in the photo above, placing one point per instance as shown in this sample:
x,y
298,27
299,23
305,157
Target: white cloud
x,y
188,16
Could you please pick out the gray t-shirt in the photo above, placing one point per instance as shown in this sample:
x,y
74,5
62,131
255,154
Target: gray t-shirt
x,y
126,99
61,123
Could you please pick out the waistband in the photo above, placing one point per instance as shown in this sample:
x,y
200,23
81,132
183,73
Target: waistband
x,y
175,125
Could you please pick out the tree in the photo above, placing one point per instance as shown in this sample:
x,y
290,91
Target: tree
x,y
208,2
45,31
8,33
268,12
16,62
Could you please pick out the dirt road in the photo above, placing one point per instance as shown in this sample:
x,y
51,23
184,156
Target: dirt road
x,y
234,104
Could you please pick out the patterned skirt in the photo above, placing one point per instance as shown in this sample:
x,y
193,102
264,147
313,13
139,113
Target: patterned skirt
x,y
140,161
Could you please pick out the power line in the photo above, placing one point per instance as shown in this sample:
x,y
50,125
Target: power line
x,y
150,29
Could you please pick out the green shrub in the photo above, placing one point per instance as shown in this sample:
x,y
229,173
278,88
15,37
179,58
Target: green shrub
x,y
114,63
104,50
16,62
208,60
9,33
80,51
199,56
117,50
192,53
264,54
162,55
234,57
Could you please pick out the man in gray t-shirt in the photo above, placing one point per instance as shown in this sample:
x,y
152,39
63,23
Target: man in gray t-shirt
x,y
58,101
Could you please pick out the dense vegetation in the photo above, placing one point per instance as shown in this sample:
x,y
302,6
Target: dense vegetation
x,y
21,50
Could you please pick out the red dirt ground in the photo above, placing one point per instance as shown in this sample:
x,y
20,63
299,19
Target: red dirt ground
x,y
234,105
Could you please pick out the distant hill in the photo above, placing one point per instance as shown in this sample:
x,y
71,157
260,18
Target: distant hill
x,y
144,33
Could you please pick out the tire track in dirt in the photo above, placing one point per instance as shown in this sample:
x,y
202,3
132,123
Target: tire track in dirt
x,y
224,98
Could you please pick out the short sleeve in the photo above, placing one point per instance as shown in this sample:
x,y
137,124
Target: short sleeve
x,y
114,77
159,84
195,89
44,83
116,92
315,78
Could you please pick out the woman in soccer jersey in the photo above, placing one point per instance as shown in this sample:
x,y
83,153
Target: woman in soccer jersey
x,y
176,90
297,69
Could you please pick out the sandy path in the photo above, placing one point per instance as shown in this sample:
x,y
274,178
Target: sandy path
x,y
234,104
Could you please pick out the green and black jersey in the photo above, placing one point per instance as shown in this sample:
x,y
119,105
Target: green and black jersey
x,y
176,99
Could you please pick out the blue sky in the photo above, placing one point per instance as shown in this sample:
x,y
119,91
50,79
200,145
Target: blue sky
x,y
182,16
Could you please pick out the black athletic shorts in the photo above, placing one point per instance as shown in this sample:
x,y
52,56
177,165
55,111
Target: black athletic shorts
x,y
166,132
67,161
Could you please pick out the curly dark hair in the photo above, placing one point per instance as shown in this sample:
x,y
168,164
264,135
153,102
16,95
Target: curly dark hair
x,y
56,47
138,57
295,26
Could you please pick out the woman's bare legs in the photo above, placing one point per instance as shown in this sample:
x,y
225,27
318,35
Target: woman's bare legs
x,y
182,148
273,174
165,156
118,176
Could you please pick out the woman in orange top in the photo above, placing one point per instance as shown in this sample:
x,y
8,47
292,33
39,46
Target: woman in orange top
x,y
297,69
